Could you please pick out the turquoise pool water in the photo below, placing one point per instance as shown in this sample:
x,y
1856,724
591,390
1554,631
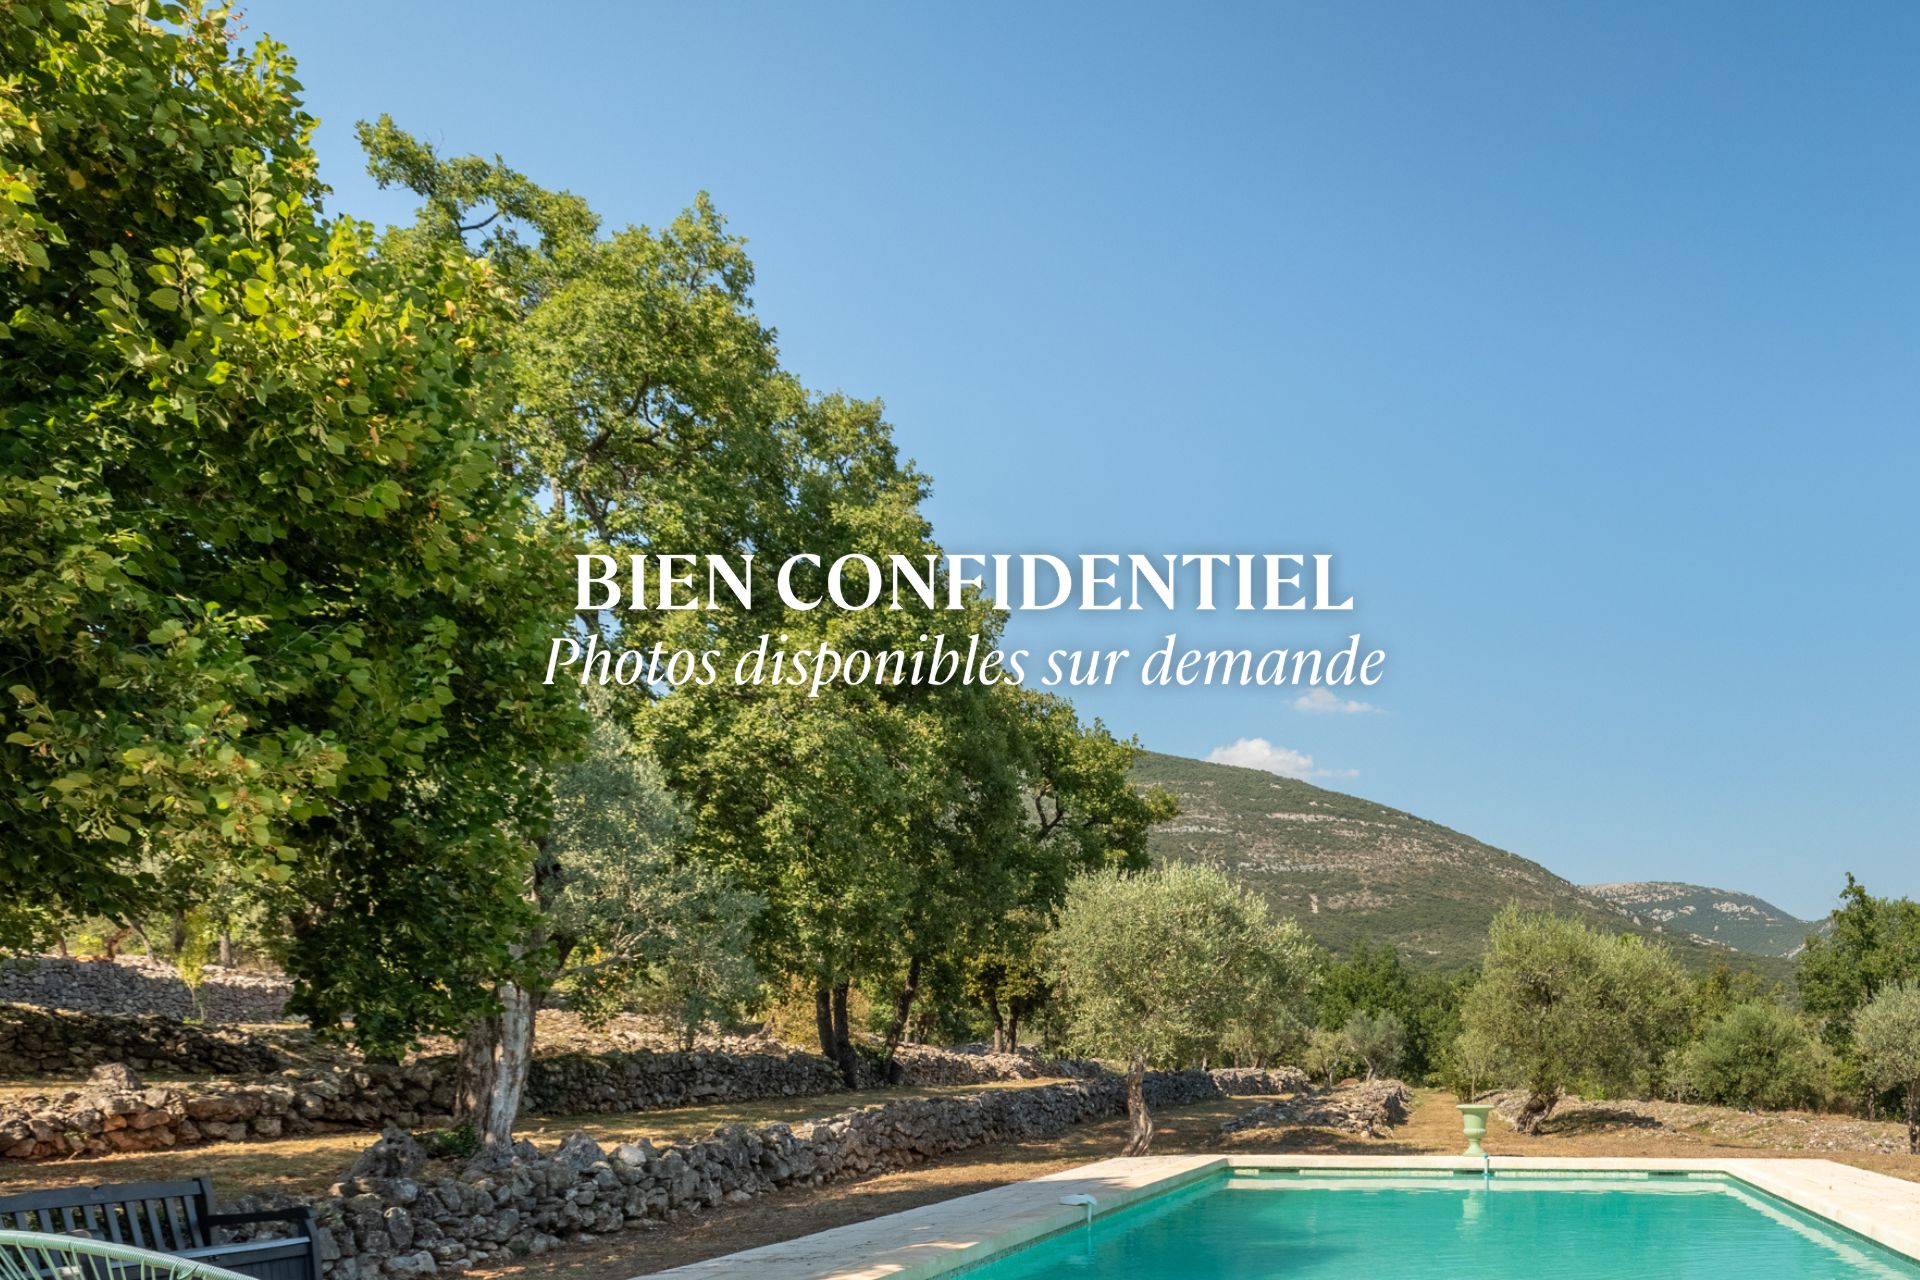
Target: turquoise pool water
x,y
1414,1228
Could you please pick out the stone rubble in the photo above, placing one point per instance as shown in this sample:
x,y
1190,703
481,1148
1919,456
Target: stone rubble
x,y
1369,1107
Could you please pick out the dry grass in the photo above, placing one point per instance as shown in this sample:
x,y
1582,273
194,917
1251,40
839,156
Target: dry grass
x,y
309,1165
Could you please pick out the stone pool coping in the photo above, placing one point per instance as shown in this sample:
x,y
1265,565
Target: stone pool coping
x,y
938,1238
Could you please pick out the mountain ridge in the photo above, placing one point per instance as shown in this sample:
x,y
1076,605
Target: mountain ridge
x,y
1712,915
1349,868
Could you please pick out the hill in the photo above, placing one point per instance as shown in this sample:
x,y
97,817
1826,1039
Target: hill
x,y
1722,916
1348,868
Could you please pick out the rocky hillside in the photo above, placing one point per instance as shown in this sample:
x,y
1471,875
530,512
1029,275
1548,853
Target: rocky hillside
x,y
1713,916
1348,868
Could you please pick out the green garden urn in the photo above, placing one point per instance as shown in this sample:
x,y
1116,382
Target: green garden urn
x,y
1473,1117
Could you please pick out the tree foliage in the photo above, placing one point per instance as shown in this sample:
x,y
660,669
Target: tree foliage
x,y
269,593
1373,978
1887,1039
1758,1055
1565,1004
1871,944
628,921
1378,1040
1157,968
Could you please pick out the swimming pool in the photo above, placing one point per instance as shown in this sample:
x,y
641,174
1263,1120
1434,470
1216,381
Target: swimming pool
x,y
1337,1225
1328,1217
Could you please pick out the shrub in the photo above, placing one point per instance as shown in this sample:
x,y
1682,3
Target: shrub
x,y
1758,1056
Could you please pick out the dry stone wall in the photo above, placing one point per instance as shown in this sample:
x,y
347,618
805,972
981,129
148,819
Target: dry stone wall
x,y
278,1084
137,985
113,1113
281,1083
392,1217
35,1041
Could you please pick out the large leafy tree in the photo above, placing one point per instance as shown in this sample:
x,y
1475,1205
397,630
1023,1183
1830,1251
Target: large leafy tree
x,y
651,407
1076,810
268,596
649,410
1157,967
1870,943
842,810
1562,1002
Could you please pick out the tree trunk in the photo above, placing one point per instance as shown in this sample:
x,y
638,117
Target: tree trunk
x,y
492,1073
902,1009
843,1040
1540,1103
823,1023
999,1023
226,949
1913,1117
1013,1026
1139,1123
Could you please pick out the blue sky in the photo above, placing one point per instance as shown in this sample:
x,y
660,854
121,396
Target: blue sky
x,y
1585,339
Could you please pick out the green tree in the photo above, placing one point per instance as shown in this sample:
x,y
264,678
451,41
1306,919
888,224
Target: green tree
x,y
1758,1055
1563,1003
633,924
1870,943
1327,1054
1378,1040
1156,967
650,399
1887,1040
1723,988
270,596
653,408
1373,978
1471,1061
1072,808
619,920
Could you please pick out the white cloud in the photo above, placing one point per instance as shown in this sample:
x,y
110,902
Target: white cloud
x,y
1326,702
1258,753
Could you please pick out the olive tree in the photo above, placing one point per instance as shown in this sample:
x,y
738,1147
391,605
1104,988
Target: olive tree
x,y
1887,1039
620,920
1563,1003
1157,967
1378,1040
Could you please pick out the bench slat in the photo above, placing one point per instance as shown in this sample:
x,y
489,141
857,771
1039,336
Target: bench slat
x,y
106,1193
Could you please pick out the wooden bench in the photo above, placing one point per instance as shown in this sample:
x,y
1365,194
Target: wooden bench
x,y
170,1217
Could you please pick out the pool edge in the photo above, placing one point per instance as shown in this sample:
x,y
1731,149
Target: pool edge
x,y
947,1235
